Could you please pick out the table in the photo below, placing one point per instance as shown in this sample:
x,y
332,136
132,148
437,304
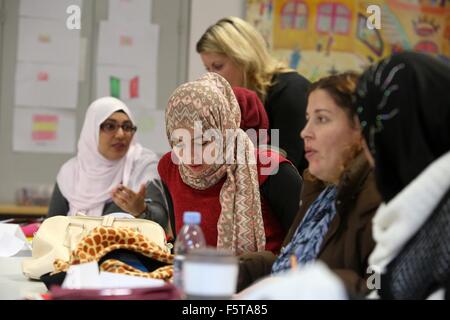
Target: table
x,y
13,211
13,284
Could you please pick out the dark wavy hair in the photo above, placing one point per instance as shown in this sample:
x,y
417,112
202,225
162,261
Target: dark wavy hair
x,y
340,88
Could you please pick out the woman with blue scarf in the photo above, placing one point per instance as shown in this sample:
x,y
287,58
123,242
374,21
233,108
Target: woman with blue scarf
x,y
339,196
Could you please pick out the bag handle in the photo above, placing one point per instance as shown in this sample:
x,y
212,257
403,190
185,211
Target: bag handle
x,y
108,221
67,241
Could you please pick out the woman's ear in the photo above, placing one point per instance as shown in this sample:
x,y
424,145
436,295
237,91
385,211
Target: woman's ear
x,y
367,153
356,123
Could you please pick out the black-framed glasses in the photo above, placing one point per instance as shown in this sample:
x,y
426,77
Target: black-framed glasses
x,y
113,127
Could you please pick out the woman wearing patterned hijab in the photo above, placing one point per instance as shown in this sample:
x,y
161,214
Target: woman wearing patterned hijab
x,y
215,169
404,107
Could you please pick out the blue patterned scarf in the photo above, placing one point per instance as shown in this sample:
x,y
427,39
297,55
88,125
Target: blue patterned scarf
x,y
308,237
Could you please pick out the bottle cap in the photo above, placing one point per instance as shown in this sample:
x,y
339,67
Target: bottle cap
x,y
192,217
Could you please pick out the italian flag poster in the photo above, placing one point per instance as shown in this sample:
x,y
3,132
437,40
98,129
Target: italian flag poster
x,y
129,84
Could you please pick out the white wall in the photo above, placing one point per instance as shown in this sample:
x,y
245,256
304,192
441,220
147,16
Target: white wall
x,y
203,14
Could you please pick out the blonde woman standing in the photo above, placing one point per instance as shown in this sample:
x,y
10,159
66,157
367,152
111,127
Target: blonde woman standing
x,y
235,50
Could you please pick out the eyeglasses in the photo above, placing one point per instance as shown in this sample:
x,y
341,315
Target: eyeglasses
x,y
112,127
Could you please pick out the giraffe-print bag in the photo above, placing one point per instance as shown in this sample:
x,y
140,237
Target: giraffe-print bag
x,y
107,245
58,237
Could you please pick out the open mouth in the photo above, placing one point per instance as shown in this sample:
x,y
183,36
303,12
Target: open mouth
x,y
119,146
309,152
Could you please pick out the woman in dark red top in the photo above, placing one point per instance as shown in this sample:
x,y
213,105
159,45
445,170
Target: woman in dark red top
x,y
247,197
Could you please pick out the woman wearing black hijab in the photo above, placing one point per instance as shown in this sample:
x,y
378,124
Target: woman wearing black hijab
x,y
403,103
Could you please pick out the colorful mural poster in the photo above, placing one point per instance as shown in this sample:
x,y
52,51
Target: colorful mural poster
x,y
322,37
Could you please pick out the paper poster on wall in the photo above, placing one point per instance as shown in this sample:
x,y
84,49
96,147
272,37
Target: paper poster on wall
x,y
130,10
130,44
47,41
134,86
83,58
151,131
50,9
323,37
43,130
46,85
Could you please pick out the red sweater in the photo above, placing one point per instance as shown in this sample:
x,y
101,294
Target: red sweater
x,y
185,198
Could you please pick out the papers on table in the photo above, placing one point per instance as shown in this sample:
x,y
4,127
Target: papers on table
x,y
12,240
87,276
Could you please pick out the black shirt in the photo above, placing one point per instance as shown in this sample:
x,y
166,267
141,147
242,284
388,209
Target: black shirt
x,y
286,107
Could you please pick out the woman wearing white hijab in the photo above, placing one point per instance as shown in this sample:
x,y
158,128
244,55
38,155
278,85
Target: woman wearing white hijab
x,y
111,171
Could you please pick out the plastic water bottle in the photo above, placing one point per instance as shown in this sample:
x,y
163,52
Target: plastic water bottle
x,y
190,237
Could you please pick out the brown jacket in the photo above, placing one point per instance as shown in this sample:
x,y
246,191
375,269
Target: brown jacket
x,y
348,242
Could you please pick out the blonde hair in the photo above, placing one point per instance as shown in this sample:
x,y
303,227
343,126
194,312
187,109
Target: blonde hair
x,y
244,45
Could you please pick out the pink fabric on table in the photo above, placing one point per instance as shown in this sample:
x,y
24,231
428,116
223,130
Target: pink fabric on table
x,y
30,229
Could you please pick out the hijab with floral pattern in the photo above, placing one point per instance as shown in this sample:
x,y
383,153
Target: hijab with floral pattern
x,y
210,101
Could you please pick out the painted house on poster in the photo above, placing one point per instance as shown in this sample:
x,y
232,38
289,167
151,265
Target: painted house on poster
x,y
341,26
